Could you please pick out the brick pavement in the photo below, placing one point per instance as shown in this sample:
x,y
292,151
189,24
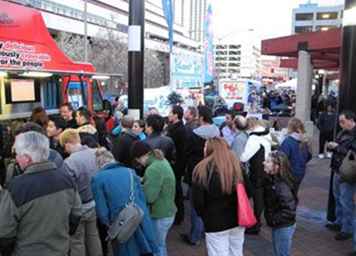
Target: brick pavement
x,y
311,237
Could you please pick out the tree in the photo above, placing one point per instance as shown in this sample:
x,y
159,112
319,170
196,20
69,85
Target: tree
x,y
108,52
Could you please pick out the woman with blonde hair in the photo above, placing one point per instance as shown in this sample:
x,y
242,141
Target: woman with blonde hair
x,y
295,146
215,198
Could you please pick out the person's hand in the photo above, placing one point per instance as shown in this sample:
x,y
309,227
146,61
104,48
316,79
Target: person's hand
x,y
332,145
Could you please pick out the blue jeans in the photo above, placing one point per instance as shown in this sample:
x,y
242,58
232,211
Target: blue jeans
x,y
344,207
162,227
197,225
282,240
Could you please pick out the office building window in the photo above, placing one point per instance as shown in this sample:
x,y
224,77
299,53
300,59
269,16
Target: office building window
x,y
304,16
303,29
324,28
327,15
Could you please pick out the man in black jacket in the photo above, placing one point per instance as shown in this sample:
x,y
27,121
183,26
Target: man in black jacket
x,y
343,191
177,132
155,138
194,154
122,144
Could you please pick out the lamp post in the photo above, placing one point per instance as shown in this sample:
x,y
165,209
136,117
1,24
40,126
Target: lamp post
x,y
136,48
347,92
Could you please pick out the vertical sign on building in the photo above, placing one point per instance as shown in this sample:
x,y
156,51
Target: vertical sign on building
x,y
208,47
169,14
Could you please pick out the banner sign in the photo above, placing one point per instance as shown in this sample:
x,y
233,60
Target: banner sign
x,y
186,70
169,14
208,47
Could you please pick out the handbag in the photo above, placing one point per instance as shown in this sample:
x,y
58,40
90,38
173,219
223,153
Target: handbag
x,y
348,168
127,221
245,216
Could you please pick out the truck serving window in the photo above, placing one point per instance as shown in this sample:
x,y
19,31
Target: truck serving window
x,y
22,91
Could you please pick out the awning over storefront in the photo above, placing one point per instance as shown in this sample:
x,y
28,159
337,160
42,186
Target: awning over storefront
x,y
25,43
324,47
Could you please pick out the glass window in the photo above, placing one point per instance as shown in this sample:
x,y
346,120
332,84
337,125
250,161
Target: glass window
x,y
304,16
327,16
97,99
77,94
303,29
51,94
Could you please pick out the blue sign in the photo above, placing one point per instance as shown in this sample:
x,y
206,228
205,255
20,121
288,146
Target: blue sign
x,y
169,14
208,46
186,70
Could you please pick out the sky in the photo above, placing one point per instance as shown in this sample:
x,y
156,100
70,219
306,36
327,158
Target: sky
x,y
267,18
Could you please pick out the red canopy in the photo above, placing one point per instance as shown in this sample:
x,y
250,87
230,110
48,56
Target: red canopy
x,y
324,47
25,43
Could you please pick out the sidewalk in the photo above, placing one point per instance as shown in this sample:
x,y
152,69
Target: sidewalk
x,y
311,237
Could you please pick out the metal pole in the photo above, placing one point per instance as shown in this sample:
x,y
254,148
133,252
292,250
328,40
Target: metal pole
x,y
347,92
85,31
136,48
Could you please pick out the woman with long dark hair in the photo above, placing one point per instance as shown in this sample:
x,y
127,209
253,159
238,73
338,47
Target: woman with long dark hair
x,y
215,199
280,202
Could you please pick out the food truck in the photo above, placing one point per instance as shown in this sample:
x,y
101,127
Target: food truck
x,y
35,72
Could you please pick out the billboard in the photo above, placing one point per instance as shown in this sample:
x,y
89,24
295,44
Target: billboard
x,y
186,70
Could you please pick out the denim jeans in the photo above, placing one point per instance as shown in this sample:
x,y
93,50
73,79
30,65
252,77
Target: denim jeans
x,y
162,227
344,207
282,240
197,225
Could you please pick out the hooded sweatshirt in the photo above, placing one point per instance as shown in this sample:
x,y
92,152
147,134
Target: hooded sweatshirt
x,y
298,153
195,146
258,137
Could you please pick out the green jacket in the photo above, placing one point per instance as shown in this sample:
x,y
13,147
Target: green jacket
x,y
160,187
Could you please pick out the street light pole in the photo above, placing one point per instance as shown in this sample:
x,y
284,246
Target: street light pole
x,y
136,46
348,59
85,30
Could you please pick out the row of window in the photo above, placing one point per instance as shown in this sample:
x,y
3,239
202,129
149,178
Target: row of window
x,y
303,29
226,59
231,46
228,52
227,65
231,70
319,16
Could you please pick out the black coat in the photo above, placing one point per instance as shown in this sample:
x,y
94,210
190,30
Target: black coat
x,y
280,202
347,141
194,153
217,209
121,147
163,143
179,136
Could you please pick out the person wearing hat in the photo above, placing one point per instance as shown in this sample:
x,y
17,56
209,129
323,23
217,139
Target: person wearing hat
x,y
159,185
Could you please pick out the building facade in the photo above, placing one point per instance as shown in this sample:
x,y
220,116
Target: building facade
x,y
312,17
237,60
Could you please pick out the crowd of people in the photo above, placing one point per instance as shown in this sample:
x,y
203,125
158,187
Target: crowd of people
x,y
72,176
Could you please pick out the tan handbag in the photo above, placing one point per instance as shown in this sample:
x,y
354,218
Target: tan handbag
x,y
348,168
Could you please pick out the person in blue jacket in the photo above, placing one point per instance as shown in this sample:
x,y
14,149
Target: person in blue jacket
x,y
295,146
111,188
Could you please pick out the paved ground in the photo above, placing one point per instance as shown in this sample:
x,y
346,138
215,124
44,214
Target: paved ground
x,y
311,237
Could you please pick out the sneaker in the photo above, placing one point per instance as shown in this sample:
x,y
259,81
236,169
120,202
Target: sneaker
x,y
333,227
329,155
342,236
186,239
321,156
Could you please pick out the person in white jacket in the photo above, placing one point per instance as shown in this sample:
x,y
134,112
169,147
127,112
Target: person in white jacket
x,y
257,149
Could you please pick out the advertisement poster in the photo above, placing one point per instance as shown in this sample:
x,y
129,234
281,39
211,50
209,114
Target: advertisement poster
x,y
186,70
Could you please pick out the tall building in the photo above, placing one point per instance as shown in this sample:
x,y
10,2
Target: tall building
x,y
68,16
234,59
312,17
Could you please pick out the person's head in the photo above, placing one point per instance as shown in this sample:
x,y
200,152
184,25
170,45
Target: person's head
x,y
277,163
205,115
138,127
127,122
347,120
295,125
40,116
30,127
103,157
31,147
252,123
176,114
70,140
222,159
140,152
229,118
330,108
66,111
82,116
191,114
154,124
55,127
240,123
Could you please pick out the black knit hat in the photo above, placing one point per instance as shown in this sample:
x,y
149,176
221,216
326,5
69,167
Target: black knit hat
x,y
139,148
